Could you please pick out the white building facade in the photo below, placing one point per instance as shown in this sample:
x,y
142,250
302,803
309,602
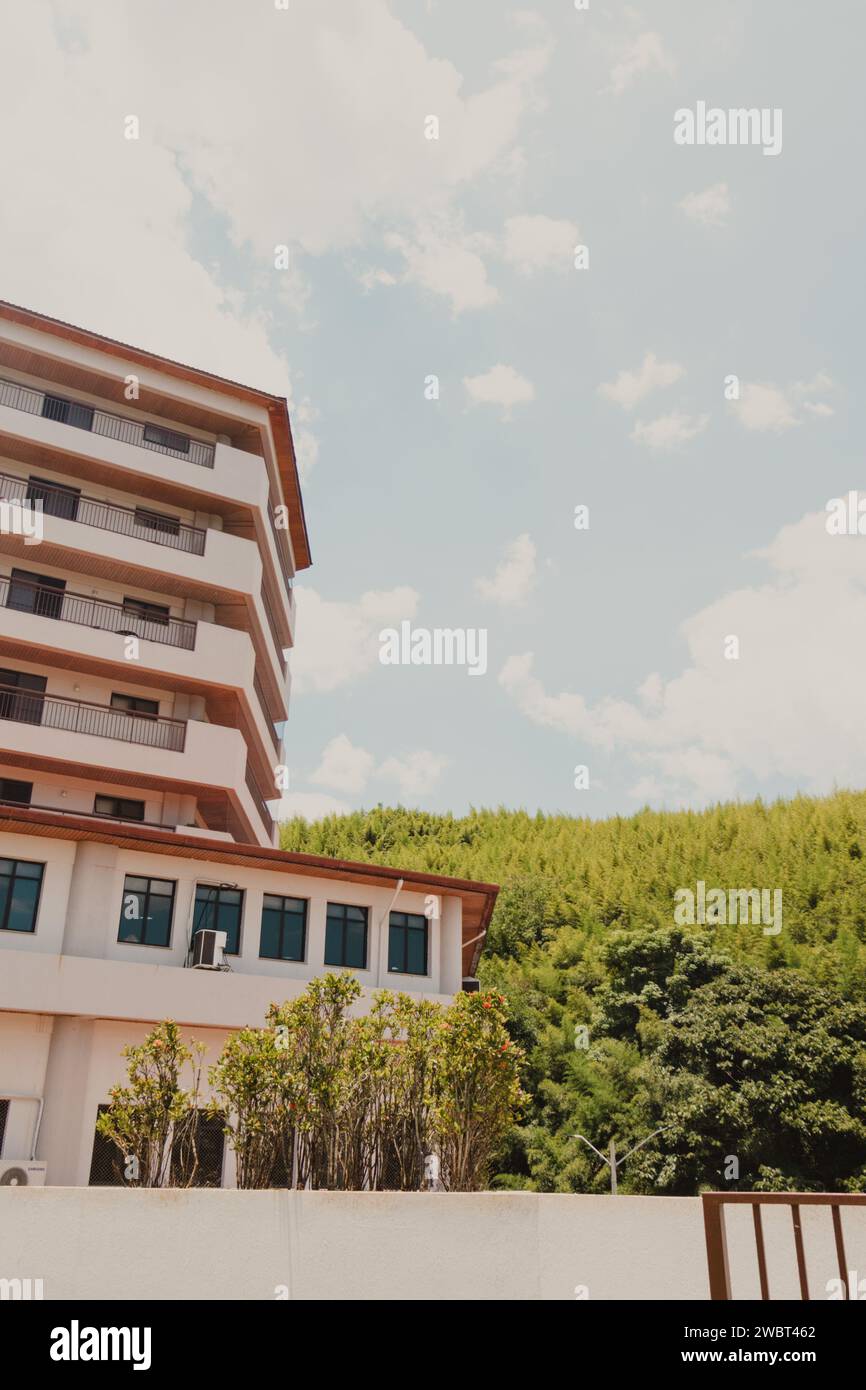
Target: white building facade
x,y
151,525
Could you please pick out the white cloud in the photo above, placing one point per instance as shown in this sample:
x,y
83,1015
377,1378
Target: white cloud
x,y
514,576
534,243
501,385
669,431
343,766
646,53
348,769
791,707
765,406
631,387
711,207
416,774
309,805
338,642
445,261
329,153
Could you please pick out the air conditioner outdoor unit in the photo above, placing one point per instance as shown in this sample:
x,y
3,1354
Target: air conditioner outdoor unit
x,y
208,949
22,1172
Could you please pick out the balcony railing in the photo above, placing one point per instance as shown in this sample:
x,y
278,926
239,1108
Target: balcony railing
x,y
272,624
82,717
256,794
281,559
264,704
68,607
85,815
143,434
139,522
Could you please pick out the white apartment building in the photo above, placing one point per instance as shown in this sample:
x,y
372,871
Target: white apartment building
x,y
151,524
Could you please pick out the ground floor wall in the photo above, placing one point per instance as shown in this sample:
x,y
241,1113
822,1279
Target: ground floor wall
x,y
124,1244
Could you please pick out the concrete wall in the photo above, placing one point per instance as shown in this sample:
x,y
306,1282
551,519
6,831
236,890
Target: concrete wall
x,y
322,1245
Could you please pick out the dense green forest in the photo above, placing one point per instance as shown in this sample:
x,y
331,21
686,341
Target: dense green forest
x,y
749,1047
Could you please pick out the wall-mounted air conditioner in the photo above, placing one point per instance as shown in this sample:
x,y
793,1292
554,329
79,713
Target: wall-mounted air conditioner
x,y
22,1172
208,949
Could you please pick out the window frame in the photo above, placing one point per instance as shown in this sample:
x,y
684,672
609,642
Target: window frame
x,y
344,908
148,879
406,927
219,888
117,814
284,898
7,906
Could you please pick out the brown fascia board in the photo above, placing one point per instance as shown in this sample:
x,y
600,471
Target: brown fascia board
x,y
277,406
478,899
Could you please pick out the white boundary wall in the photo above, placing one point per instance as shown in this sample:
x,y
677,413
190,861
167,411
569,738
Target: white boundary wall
x,y
104,1243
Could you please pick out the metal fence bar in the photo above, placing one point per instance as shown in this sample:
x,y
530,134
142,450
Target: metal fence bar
x,y
717,1250
106,423
762,1254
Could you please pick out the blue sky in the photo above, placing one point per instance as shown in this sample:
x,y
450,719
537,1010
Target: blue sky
x,y
557,386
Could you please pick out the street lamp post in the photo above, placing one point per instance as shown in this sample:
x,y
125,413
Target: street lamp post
x,y
614,1163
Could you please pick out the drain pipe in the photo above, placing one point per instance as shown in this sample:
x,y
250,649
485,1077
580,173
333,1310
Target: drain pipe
x,y
385,914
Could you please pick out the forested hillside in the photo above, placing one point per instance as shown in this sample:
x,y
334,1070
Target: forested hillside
x,y
749,1047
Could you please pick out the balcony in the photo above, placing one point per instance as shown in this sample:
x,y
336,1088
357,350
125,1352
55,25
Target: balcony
x,y
138,522
126,620
80,415
99,816
259,801
82,717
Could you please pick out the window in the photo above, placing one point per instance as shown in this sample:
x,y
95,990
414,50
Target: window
x,y
218,907
118,808
134,703
56,499
407,943
36,593
166,439
152,612
284,928
346,936
19,792
68,412
20,886
21,696
146,911
157,521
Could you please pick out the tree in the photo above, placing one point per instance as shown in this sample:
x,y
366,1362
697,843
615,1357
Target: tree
x,y
153,1120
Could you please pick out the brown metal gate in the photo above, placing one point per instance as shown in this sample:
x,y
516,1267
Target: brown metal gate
x,y
717,1251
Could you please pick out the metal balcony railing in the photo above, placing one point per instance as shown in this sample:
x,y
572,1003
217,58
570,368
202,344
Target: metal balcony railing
x,y
82,717
85,815
264,704
138,522
255,792
143,434
281,559
68,607
272,624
